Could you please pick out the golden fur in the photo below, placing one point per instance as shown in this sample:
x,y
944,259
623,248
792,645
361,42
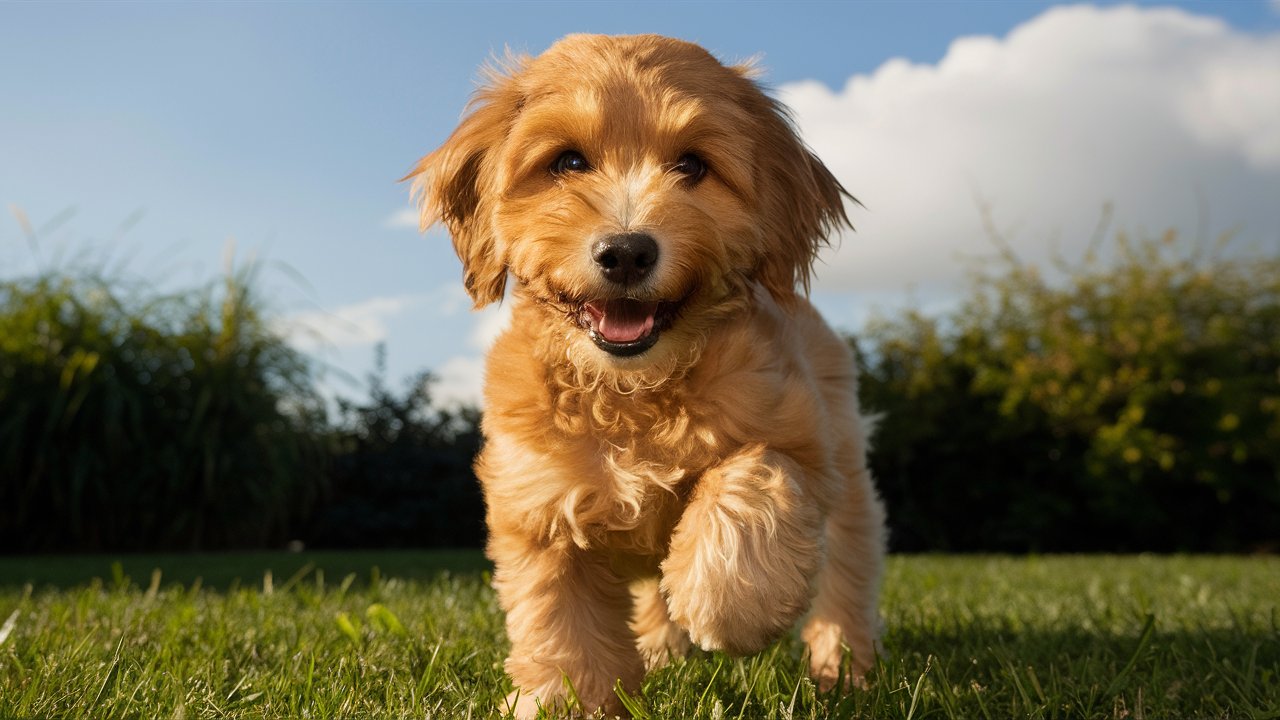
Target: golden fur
x,y
712,488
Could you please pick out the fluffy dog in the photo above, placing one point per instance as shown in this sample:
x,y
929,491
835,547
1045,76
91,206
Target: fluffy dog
x,y
673,449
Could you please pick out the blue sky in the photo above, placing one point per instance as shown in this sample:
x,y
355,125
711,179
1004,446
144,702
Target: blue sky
x,y
286,126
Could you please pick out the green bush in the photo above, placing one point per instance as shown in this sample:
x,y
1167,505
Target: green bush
x,y
1131,405
133,422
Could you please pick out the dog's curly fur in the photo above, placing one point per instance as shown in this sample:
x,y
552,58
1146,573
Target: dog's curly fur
x,y
712,486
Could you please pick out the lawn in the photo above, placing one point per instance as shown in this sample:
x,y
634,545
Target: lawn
x,y
340,635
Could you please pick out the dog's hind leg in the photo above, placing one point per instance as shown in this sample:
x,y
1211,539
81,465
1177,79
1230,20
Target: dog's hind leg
x,y
844,612
658,637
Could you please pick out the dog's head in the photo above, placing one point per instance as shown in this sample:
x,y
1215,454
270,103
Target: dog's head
x,y
633,185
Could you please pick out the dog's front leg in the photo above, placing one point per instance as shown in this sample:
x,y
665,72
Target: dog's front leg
x,y
743,557
567,617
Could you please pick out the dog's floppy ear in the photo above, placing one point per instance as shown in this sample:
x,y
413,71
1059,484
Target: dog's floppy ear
x,y
455,184
802,203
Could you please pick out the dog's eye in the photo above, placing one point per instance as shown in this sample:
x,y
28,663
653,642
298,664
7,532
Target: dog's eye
x,y
570,161
691,166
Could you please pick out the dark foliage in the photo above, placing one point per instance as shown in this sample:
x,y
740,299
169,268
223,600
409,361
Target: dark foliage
x,y
400,474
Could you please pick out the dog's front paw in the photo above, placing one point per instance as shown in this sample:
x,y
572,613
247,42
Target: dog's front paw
x,y
744,554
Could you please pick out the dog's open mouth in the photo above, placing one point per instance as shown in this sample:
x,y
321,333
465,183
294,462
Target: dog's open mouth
x,y
626,327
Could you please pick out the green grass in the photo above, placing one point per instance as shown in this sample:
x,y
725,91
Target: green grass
x,y
326,636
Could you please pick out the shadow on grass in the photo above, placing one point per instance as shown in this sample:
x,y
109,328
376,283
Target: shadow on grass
x,y
224,570
1160,666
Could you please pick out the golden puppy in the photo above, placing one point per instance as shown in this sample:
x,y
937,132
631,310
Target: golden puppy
x,y
673,446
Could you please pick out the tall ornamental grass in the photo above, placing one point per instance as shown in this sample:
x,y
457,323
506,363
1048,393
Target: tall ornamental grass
x,y
132,420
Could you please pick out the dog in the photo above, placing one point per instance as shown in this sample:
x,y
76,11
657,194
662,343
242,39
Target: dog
x,y
673,449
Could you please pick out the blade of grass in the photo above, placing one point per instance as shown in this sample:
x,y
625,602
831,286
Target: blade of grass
x,y
112,671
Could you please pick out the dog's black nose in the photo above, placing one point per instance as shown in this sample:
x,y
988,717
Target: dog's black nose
x,y
625,258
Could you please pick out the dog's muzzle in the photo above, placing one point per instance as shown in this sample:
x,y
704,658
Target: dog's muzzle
x,y
625,326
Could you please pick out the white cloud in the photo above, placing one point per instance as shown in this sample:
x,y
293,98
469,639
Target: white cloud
x,y
359,324
1235,105
367,322
490,322
1157,111
461,382
403,218
347,333
462,376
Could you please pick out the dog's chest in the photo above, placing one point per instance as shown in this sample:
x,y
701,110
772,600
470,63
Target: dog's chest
x,y
639,453
648,477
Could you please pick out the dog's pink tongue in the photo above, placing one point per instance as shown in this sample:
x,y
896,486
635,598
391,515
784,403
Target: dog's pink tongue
x,y
622,321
